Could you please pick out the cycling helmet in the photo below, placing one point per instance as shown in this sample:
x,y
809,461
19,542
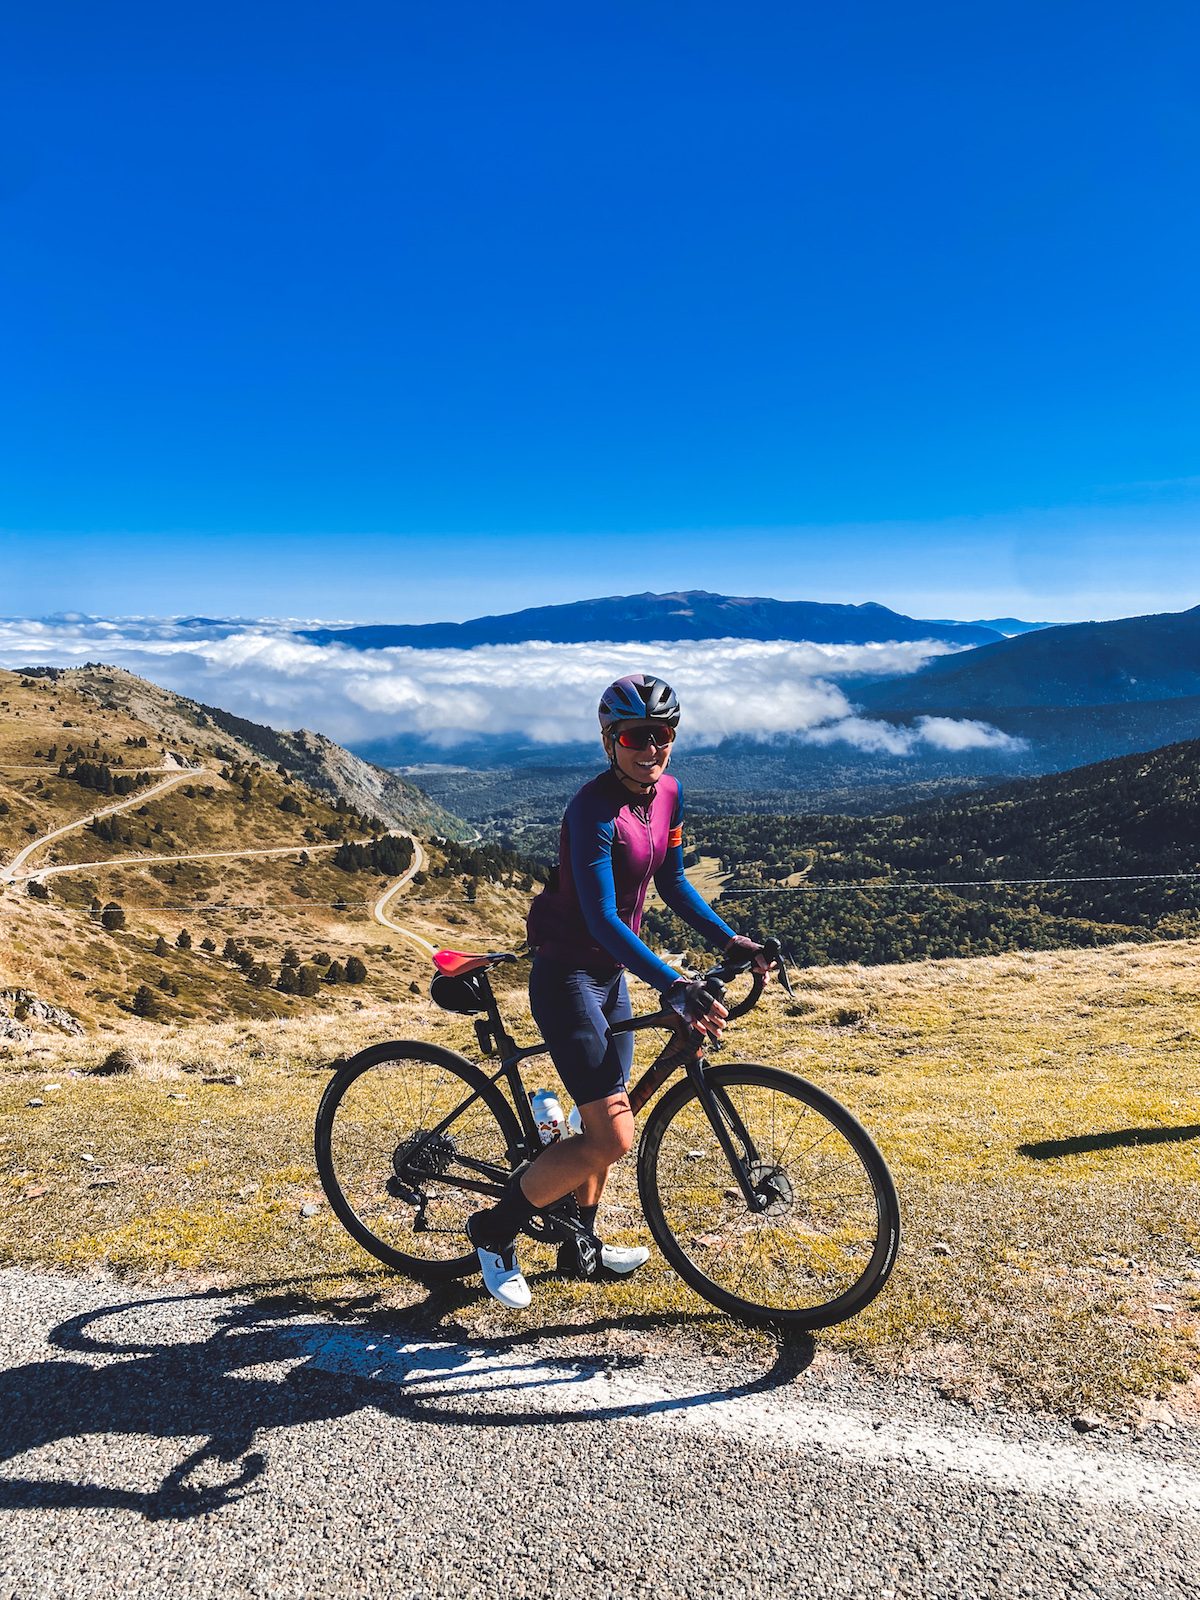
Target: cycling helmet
x,y
638,698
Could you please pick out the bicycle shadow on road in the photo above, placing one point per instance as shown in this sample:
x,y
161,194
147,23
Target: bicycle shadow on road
x,y
198,1372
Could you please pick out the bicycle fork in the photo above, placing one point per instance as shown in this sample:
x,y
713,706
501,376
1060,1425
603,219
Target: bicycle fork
x,y
728,1125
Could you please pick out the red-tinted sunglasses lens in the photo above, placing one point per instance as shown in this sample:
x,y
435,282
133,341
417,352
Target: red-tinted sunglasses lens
x,y
643,738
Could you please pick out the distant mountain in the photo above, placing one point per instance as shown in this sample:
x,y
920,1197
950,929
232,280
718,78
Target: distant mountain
x,y
1007,626
1135,659
645,618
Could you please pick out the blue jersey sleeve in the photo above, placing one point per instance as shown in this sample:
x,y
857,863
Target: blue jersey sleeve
x,y
671,882
591,868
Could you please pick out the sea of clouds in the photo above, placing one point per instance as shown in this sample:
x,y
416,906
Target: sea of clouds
x,y
545,693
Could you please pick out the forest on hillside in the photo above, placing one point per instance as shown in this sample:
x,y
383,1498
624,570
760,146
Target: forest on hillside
x,y
884,888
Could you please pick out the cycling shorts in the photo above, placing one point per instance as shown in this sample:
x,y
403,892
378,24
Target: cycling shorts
x,y
574,1008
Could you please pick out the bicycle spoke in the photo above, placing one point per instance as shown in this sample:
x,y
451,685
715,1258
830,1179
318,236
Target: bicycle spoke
x,y
381,1142
819,1229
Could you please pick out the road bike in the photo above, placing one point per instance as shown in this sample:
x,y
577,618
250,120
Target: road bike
x,y
763,1193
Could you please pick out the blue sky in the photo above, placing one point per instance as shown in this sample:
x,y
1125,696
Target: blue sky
x,y
386,310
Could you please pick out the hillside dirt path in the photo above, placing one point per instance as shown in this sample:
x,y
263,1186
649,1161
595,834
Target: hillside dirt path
x,y
198,855
379,910
10,872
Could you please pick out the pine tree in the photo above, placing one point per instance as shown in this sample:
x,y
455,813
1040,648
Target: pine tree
x,y
334,973
207,944
112,917
184,940
143,1003
160,946
308,982
356,970
230,952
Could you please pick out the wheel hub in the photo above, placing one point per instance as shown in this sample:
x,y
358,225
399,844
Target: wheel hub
x,y
772,1184
423,1156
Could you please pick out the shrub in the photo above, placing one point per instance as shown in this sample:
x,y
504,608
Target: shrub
x,y
143,1003
118,1060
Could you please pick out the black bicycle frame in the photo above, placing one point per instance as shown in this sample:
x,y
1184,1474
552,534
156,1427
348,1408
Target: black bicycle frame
x,y
683,1050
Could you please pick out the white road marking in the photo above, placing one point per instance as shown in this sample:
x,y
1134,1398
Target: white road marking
x,y
1067,1469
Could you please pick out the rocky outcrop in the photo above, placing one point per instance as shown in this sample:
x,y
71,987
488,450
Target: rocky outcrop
x,y
21,1011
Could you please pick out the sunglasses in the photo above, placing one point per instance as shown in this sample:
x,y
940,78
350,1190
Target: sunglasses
x,y
642,738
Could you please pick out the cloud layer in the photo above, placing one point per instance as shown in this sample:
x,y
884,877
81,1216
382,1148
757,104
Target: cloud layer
x,y
544,693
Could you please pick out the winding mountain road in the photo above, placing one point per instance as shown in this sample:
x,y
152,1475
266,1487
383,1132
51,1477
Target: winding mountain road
x,y
11,873
199,855
379,910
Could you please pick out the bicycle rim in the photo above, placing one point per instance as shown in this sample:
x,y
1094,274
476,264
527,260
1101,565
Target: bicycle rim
x,y
825,1244
403,1195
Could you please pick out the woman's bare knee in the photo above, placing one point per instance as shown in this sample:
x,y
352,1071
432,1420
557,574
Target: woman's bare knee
x,y
607,1130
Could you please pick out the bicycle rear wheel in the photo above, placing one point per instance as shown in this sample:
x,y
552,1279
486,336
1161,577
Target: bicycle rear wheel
x,y
826,1241
399,1183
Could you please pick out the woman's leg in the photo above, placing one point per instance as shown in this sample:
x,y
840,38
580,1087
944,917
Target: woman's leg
x,y
575,1011
582,1163
616,1008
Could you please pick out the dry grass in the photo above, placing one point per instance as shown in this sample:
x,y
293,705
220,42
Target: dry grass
x,y
1041,1114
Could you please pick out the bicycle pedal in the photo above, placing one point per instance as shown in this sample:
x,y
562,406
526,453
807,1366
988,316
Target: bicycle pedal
x,y
578,1258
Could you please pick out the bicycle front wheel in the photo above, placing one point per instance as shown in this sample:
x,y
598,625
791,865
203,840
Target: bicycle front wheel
x,y
410,1139
823,1237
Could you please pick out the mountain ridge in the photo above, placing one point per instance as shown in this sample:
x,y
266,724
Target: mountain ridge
x,y
675,616
1154,657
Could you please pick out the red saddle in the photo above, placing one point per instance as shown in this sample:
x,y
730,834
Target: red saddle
x,y
455,964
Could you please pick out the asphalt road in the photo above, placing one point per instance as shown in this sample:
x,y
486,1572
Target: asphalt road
x,y
165,1443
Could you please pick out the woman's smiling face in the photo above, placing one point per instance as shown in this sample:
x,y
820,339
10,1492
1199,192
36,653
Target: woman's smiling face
x,y
642,767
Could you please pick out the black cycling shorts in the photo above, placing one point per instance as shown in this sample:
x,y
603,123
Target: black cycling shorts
x,y
574,1007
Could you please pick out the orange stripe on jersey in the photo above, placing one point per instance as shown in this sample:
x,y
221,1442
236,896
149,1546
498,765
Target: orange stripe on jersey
x,y
674,837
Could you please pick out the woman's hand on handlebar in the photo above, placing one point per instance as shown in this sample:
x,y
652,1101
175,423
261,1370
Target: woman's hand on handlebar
x,y
697,1005
740,949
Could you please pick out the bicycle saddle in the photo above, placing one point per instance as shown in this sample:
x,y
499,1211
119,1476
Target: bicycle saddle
x,y
456,965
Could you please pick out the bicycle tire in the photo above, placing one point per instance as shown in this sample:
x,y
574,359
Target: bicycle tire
x,y
381,1221
685,1183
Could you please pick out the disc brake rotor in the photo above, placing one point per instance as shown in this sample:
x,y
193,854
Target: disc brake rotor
x,y
769,1180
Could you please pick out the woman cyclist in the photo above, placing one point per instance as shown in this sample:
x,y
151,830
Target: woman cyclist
x,y
621,832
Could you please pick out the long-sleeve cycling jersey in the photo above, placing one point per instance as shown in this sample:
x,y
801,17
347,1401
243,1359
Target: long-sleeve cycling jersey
x,y
612,846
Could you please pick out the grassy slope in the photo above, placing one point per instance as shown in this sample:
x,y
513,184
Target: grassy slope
x,y
58,951
1052,1250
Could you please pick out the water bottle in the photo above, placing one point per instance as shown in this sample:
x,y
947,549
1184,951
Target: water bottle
x,y
575,1121
549,1115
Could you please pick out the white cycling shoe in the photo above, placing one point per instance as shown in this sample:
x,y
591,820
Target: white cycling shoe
x,y
502,1277
622,1259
